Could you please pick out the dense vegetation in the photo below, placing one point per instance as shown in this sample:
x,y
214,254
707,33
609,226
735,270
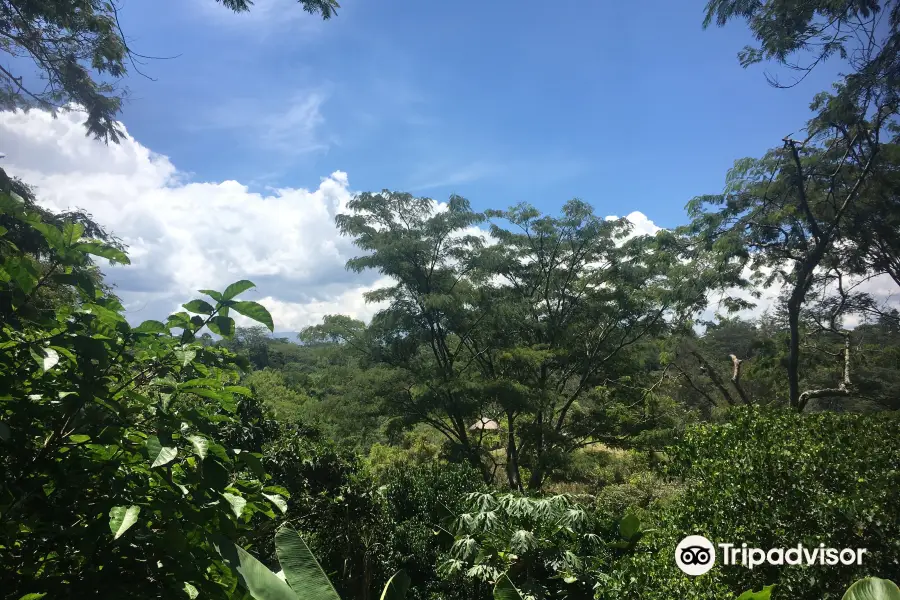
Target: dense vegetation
x,y
543,406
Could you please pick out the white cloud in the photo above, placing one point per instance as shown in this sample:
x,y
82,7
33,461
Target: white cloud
x,y
289,128
184,236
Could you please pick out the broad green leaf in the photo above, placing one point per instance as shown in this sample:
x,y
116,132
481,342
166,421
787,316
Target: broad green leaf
x,y
301,569
254,463
198,306
181,320
505,590
217,296
396,587
52,234
79,438
255,311
205,393
201,445
160,455
72,232
629,526
151,326
46,358
237,503
764,594
277,489
873,588
201,382
11,203
185,356
278,501
103,313
106,251
236,288
253,575
5,432
67,353
239,389
190,590
33,596
121,519
223,326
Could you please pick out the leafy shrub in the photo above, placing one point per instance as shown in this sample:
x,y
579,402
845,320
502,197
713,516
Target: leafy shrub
x,y
417,499
301,577
335,505
550,547
115,456
775,479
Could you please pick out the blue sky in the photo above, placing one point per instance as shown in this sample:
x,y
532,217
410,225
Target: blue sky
x,y
501,102
244,146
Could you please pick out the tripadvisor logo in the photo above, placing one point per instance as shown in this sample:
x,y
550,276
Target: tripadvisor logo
x,y
696,555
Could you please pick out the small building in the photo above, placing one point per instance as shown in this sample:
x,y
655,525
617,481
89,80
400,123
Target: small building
x,y
484,423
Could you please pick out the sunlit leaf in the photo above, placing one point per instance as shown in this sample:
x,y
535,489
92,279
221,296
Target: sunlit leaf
x,y
278,501
160,455
46,358
236,288
121,519
255,311
396,587
253,575
301,569
237,503
873,588
190,590
106,251
201,445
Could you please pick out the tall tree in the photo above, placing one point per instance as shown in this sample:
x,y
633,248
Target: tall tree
x,y
585,302
79,54
431,254
790,214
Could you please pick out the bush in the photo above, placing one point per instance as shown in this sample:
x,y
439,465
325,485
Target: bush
x,y
119,452
775,479
417,499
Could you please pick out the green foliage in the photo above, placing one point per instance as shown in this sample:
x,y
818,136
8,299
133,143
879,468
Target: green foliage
x,y
417,503
303,576
763,594
301,569
115,439
550,547
873,588
269,386
774,479
505,590
543,332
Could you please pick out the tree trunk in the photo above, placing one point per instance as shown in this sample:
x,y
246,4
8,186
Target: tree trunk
x,y
843,388
793,365
512,455
537,478
804,273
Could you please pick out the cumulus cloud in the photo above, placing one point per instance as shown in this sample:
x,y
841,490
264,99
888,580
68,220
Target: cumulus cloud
x,y
186,235
289,127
